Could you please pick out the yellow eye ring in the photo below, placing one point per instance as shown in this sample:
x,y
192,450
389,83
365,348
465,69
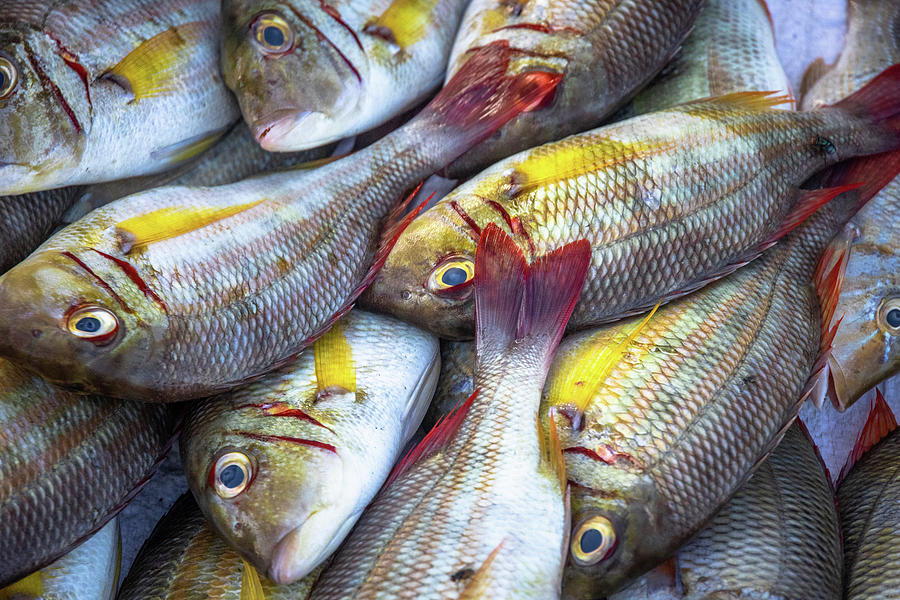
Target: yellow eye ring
x,y
451,273
593,541
92,323
272,33
888,315
231,474
9,77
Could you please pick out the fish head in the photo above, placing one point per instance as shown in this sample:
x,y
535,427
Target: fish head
x,y
298,82
43,110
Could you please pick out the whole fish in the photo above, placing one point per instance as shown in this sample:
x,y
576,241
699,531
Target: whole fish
x,y
184,559
68,464
478,509
283,468
308,73
89,572
669,201
27,220
96,90
867,345
869,509
607,49
778,537
662,420
183,292
731,49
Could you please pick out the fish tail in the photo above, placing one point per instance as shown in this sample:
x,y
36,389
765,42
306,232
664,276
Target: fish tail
x,y
878,100
871,173
515,301
880,423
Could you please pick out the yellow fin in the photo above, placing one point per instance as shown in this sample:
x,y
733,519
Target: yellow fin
x,y
251,587
188,149
551,451
334,360
32,585
403,23
318,162
171,222
751,100
479,585
152,68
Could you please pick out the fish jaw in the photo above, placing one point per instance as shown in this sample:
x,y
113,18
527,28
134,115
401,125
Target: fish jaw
x,y
278,131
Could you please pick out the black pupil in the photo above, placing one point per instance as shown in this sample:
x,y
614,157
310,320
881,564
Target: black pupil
x,y
88,324
454,276
232,476
4,80
893,317
591,540
273,36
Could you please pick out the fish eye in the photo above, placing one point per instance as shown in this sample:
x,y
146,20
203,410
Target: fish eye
x,y
93,323
593,541
888,315
231,474
451,272
9,77
272,33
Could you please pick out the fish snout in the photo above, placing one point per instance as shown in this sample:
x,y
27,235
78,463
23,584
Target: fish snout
x,y
292,130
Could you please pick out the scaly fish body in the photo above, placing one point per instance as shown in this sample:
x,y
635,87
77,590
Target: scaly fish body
x,y
68,463
182,292
777,538
184,559
308,73
731,49
320,435
456,381
667,200
607,50
27,220
80,79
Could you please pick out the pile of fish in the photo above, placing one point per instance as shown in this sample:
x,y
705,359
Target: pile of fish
x,y
575,375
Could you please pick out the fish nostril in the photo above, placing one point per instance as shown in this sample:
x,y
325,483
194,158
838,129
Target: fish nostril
x,y
36,333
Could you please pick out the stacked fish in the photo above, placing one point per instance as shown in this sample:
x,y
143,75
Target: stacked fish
x,y
659,261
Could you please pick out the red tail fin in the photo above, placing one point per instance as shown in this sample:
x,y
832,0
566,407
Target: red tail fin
x,y
515,301
880,423
879,99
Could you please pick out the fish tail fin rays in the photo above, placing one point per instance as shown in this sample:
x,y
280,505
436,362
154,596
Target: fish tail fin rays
x,y
809,202
878,100
482,582
334,365
552,461
869,174
439,436
879,424
251,586
762,100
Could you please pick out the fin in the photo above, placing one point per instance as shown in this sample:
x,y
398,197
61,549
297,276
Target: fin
x,y
188,149
869,173
152,69
480,584
251,587
434,440
803,429
170,222
334,361
551,451
515,301
809,202
319,162
403,23
31,586
880,423
879,99
812,74
750,100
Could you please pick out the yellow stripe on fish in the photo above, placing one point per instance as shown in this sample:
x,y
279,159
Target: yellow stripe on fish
x,y
251,588
334,361
404,22
30,586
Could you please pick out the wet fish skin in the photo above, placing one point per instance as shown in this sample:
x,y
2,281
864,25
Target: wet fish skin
x,y
64,121
455,383
340,72
68,464
26,221
304,499
184,558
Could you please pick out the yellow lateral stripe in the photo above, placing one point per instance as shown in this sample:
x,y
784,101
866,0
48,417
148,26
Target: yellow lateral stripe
x,y
404,22
251,588
32,585
170,222
334,360
750,100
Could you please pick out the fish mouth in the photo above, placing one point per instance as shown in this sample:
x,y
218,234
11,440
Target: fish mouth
x,y
291,559
294,129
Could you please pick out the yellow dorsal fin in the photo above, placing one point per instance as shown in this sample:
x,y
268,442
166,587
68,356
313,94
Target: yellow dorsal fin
x,y
480,584
403,23
152,69
251,587
189,148
30,586
580,383
170,222
551,451
751,100
334,361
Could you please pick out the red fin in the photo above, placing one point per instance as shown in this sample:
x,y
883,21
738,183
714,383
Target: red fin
x,y
434,440
808,203
514,301
871,172
880,423
879,99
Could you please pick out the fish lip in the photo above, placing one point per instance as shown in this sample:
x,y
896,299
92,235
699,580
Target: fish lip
x,y
284,568
275,131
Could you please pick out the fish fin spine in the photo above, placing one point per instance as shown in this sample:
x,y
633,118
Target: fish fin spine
x,y
480,584
880,422
251,586
762,100
551,449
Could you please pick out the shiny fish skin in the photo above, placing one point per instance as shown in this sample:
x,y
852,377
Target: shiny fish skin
x,y
606,48
342,76
65,122
68,463
184,559
302,499
666,199
777,538
869,506
27,220
455,383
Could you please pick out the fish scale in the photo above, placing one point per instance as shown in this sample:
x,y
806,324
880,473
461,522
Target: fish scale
x,y
27,219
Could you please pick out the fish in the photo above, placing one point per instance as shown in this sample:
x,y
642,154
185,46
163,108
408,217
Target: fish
x,y
185,559
867,345
307,74
68,464
77,78
664,416
731,49
27,220
89,572
607,50
778,537
455,383
669,200
183,292
283,468
478,508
